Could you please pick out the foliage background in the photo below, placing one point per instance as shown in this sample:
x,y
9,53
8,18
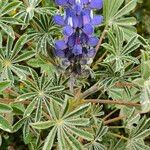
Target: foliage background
x,y
44,63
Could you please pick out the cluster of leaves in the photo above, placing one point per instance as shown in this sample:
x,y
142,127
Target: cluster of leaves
x,y
47,107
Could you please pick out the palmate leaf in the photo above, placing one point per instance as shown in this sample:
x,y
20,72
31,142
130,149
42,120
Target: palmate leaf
x,y
30,8
4,19
40,91
114,15
120,53
63,121
99,132
138,134
44,33
11,57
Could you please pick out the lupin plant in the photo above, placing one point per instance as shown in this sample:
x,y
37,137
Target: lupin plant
x,y
74,75
79,42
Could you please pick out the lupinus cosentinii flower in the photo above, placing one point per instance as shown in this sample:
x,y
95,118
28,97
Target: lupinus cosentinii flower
x,y
78,23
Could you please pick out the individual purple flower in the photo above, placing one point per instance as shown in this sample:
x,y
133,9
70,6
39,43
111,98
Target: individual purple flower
x,y
78,24
58,19
68,30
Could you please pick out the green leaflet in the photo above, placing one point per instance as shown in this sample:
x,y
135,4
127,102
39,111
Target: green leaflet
x,y
7,29
43,125
5,108
50,139
4,124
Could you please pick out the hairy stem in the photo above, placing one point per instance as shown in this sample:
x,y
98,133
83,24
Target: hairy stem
x,y
89,91
101,38
114,120
126,103
118,136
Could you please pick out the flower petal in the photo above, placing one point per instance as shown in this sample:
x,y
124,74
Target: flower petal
x,y
58,19
60,44
97,20
88,29
72,40
93,41
68,30
96,4
61,2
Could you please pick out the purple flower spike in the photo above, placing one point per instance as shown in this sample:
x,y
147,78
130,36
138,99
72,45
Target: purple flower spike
x,y
78,24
